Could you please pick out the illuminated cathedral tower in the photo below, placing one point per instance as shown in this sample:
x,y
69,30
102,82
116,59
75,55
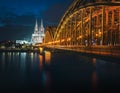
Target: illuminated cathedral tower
x,y
37,36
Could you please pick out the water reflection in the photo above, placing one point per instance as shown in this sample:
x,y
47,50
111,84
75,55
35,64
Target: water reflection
x,y
62,72
3,61
47,57
22,62
32,59
94,76
44,61
41,62
3,57
46,80
41,50
9,57
13,55
94,61
18,56
31,56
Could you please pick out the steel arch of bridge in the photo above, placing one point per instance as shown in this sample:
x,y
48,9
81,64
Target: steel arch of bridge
x,y
96,23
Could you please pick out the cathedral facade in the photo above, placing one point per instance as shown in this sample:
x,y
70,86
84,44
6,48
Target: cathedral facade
x,y
37,36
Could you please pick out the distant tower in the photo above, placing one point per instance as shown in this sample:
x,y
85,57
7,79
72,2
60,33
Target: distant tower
x,y
38,35
42,29
36,27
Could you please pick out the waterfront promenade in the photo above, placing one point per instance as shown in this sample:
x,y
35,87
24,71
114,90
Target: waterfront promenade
x,y
35,50
104,51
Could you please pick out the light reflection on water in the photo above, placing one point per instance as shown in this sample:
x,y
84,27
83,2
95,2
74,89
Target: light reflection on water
x,y
41,62
94,77
47,57
9,57
22,62
45,73
58,71
3,61
31,58
94,62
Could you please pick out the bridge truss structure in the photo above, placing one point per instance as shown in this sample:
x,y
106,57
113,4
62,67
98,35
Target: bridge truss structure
x,y
89,23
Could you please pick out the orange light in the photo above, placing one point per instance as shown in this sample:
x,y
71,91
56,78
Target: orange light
x,y
41,50
68,39
41,62
47,57
94,81
62,40
100,32
79,37
96,35
94,61
57,41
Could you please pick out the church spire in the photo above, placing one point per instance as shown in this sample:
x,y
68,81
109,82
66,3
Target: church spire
x,y
36,27
38,35
42,28
41,23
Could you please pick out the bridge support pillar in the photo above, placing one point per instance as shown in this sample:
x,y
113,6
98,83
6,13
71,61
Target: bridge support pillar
x,y
81,27
106,29
102,35
90,28
119,28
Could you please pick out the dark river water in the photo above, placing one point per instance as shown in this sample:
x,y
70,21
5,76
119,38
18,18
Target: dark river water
x,y
57,73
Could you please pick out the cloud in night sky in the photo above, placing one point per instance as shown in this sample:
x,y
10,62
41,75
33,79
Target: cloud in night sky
x,y
17,17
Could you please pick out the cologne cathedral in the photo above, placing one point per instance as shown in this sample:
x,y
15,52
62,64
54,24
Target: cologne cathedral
x,y
37,36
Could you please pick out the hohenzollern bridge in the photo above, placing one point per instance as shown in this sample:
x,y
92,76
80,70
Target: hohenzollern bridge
x,y
91,26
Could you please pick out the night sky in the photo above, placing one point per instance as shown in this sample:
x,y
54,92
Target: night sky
x,y
17,17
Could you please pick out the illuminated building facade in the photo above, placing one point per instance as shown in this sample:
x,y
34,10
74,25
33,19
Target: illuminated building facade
x,y
22,42
37,36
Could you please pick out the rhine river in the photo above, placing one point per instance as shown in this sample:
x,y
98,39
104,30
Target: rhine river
x,y
57,73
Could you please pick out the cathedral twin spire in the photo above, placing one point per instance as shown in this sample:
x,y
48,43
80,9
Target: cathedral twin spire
x,y
41,23
38,34
36,26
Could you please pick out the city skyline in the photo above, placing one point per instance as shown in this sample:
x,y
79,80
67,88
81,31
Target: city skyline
x,y
19,21
75,46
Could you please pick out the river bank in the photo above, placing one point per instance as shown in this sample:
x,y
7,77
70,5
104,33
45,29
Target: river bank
x,y
19,50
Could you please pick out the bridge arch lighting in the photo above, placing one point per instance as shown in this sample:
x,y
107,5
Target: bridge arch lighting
x,y
90,20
